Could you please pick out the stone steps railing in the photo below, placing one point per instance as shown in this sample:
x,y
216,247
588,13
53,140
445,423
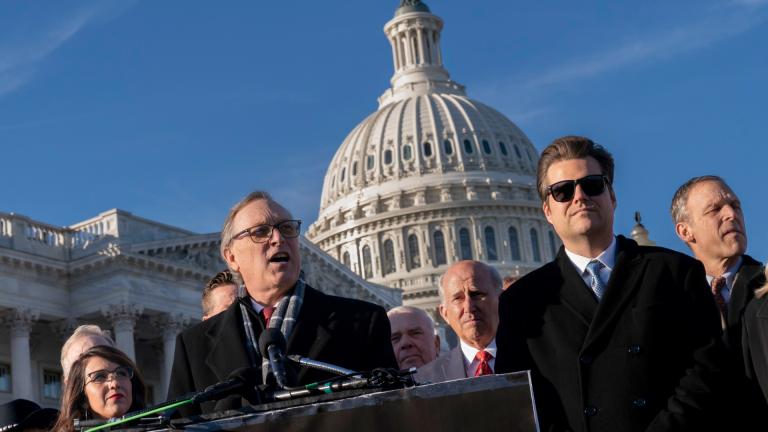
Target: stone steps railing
x,y
23,234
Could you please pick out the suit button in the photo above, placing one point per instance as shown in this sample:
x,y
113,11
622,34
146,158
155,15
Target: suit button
x,y
586,359
640,403
591,411
634,349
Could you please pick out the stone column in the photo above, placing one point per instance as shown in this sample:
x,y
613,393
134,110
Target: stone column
x,y
20,322
123,317
170,325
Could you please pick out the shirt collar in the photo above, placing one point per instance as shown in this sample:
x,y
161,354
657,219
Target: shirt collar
x,y
730,273
470,352
607,257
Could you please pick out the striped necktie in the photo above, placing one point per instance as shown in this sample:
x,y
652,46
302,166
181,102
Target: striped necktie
x,y
593,268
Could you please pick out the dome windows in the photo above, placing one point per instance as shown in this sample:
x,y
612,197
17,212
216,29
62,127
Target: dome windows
x,y
517,152
413,251
490,244
448,147
486,147
514,244
367,268
439,242
465,244
354,168
503,148
407,152
388,258
369,162
535,248
468,146
427,149
343,175
387,157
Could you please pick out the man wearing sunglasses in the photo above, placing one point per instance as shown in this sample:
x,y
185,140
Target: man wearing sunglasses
x,y
618,337
260,244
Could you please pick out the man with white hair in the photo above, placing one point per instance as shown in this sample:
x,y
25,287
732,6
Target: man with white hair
x,y
469,303
413,336
82,339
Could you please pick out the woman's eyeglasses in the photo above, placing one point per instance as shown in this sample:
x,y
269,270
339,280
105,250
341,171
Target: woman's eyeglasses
x,y
592,185
120,373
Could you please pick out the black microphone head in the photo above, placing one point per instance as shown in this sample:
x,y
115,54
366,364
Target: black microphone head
x,y
269,337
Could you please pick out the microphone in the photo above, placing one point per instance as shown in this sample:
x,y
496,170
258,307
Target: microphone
x,y
241,381
323,366
272,347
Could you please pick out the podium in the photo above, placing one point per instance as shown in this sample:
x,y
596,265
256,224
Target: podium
x,y
494,402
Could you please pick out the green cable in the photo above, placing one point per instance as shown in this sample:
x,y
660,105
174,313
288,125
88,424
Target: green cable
x,y
138,416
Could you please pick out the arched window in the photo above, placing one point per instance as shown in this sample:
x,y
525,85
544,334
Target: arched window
x,y
439,243
427,149
369,162
388,265
448,147
468,146
367,268
514,244
407,152
490,244
486,147
517,152
413,251
465,245
343,174
535,245
345,260
552,244
387,157
354,168
503,148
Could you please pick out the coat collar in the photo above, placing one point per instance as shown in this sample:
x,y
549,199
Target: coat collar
x,y
749,277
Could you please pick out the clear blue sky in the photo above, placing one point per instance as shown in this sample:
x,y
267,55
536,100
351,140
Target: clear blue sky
x,y
175,109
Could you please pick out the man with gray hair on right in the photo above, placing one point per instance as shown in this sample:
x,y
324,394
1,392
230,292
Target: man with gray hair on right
x,y
469,303
83,338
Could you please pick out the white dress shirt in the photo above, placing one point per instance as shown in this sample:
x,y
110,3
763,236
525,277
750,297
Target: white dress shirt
x,y
607,257
470,364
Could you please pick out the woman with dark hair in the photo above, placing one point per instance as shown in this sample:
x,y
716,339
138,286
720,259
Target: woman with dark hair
x,y
103,383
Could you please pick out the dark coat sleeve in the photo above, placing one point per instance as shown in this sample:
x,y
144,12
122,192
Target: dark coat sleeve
x,y
182,382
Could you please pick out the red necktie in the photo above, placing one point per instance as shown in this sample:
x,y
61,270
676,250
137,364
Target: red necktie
x,y
718,284
267,312
483,368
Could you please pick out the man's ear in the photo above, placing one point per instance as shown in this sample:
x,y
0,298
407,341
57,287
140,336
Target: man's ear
x,y
229,258
443,313
684,231
547,211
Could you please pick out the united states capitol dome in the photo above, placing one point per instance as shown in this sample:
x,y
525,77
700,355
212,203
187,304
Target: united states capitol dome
x,y
432,177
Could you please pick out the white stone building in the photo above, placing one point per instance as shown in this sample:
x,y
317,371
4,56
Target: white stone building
x,y
139,278
432,177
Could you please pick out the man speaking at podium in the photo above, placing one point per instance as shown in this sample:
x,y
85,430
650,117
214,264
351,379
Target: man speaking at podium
x,y
259,243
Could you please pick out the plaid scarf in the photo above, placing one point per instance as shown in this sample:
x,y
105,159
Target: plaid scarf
x,y
284,317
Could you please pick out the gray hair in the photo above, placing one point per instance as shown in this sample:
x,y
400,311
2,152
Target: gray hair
x,y
227,231
86,330
680,199
411,309
496,279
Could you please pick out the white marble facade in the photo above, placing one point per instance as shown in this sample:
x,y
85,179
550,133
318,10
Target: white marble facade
x,y
138,278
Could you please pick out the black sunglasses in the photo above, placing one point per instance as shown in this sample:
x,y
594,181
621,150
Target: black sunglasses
x,y
592,185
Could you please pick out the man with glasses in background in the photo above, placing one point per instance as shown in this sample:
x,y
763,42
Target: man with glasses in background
x,y
618,337
259,243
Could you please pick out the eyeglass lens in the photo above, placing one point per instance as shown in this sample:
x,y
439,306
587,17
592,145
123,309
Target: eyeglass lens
x,y
288,229
102,376
563,191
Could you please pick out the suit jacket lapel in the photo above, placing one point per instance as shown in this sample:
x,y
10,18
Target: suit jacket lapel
x,y
743,286
455,365
574,293
311,333
228,350
624,281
